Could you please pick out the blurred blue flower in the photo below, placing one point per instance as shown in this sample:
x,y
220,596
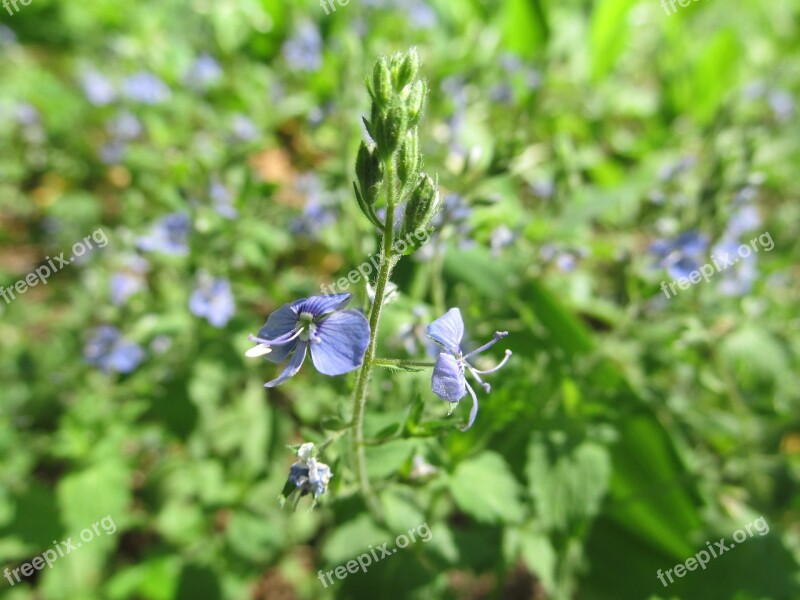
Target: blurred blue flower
x,y
672,170
318,211
112,152
26,114
98,90
108,351
244,128
681,255
743,220
222,199
131,279
303,50
336,338
500,238
7,36
145,88
448,380
420,14
213,300
738,278
411,335
204,73
124,126
782,105
168,235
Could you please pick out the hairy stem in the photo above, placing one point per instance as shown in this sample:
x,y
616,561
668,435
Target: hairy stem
x,y
388,261
399,362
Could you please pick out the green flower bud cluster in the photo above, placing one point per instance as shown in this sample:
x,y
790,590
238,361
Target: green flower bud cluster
x,y
398,97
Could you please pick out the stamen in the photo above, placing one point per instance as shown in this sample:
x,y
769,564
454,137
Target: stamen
x,y
486,387
497,368
257,351
278,341
498,335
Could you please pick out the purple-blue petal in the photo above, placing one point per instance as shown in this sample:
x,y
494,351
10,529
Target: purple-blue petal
x,y
343,339
448,380
448,330
279,323
292,367
322,305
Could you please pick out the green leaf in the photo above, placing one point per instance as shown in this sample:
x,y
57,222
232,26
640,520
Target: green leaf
x,y
484,488
569,489
608,34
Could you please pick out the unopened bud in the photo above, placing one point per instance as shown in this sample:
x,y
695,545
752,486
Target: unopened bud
x,y
382,83
404,68
369,171
408,163
422,206
415,102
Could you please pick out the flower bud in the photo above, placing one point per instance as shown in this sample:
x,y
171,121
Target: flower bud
x,y
422,206
404,68
391,129
415,101
369,171
382,83
408,163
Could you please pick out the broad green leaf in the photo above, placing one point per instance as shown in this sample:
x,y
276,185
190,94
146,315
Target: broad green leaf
x,y
484,488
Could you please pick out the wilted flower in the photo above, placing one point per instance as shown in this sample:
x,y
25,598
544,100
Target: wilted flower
x,y
110,352
448,380
168,235
145,88
303,50
337,338
307,475
213,300
681,255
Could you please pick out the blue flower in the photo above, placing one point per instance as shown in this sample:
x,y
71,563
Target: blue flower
x,y
337,338
98,90
307,475
243,128
737,279
303,50
318,211
125,126
168,235
127,282
681,255
213,300
448,380
222,199
110,352
145,88
204,72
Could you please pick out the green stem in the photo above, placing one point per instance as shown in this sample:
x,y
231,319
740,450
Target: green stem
x,y
399,362
388,261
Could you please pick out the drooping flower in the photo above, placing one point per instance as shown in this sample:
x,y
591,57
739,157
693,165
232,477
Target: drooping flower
x,y
448,380
145,88
213,300
108,351
168,235
336,338
307,475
